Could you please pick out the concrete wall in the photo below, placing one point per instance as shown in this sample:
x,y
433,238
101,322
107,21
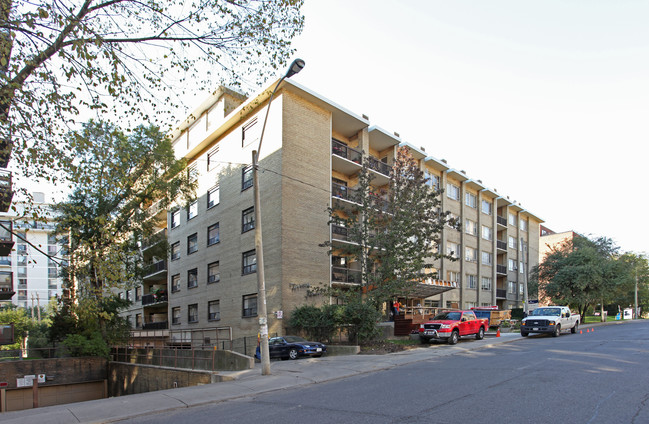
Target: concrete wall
x,y
49,395
129,379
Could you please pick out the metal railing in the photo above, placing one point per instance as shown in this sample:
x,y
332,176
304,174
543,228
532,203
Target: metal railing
x,y
501,293
378,166
345,275
501,269
501,245
155,267
150,299
341,149
501,220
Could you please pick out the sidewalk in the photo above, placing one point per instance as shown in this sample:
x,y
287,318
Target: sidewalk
x,y
285,374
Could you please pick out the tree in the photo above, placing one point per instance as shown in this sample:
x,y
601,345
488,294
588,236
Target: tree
x,y
394,231
580,273
59,58
11,314
118,178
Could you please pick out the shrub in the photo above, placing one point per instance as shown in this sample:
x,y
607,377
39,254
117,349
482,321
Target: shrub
x,y
80,345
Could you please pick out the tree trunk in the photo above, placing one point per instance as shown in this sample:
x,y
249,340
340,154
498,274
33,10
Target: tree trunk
x,y
601,310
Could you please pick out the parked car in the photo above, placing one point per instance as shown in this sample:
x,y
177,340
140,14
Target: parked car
x,y
292,347
550,319
451,325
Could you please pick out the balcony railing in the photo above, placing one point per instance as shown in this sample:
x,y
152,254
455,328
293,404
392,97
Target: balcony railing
x,y
6,190
154,239
6,285
501,245
345,275
150,299
155,268
344,192
338,232
344,151
501,293
378,166
156,325
501,220
501,269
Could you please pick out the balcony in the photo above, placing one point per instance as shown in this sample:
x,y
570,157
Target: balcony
x,y
154,239
155,298
501,221
338,233
345,159
501,245
6,190
346,193
156,325
6,239
378,166
345,275
156,269
5,260
501,269
6,285
501,294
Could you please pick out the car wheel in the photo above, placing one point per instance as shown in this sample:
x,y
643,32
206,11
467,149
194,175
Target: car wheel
x,y
524,334
480,334
557,331
574,329
455,337
292,354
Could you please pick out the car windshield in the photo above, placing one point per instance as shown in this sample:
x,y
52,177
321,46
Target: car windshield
x,y
452,316
546,311
294,339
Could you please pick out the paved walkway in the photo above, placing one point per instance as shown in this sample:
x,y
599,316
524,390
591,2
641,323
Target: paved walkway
x,y
285,374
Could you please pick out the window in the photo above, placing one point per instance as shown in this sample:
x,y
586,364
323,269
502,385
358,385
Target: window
x,y
192,313
138,320
512,219
486,283
192,172
175,251
453,276
521,267
213,273
175,218
138,294
22,271
51,272
512,242
128,295
213,310
192,210
192,278
213,234
523,225
452,191
175,283
249,133
250,305
471,227
521,289
213,197
471,281
487,233
453,249
487,258
248,219
470,254
486,207
432,181
511,265
469,305
192,243
512,287
51,239
212,162
246,177
248,262
175,315
471,200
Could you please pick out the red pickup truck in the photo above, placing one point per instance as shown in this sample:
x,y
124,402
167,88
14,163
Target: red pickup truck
x,y
451,325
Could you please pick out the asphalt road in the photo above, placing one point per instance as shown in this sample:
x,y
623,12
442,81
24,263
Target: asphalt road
x,y
596,377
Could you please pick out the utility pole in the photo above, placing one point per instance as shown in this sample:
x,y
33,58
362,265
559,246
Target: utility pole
x,y
635,300
525,299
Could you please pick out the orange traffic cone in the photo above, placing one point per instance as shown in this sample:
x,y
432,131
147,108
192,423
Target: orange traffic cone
x,y
588,330
498,332
592,330
580,332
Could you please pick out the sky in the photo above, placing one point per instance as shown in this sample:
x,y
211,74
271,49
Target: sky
x,y
546,102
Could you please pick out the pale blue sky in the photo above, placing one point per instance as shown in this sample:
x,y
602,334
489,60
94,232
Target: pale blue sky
x,y
545,101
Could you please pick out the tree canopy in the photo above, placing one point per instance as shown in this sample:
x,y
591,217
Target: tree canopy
x,y
123,180
125,57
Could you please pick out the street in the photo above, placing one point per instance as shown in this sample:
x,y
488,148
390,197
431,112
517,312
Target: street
x,y
595,377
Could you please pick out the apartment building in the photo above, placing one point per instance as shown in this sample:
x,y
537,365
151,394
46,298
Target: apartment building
x,y
311,155
35,276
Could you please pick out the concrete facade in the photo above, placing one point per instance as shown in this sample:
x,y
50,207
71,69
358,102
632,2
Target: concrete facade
x,y
308,161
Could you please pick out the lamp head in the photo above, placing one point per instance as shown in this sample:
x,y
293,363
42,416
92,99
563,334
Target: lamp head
x,y
295,67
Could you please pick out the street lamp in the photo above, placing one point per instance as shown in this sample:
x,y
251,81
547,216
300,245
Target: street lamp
x,y
295,67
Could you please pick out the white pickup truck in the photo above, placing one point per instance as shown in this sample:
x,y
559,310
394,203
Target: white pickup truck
x,y
550,319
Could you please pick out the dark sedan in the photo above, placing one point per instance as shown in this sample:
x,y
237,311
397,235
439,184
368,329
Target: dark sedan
x,y
292,347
